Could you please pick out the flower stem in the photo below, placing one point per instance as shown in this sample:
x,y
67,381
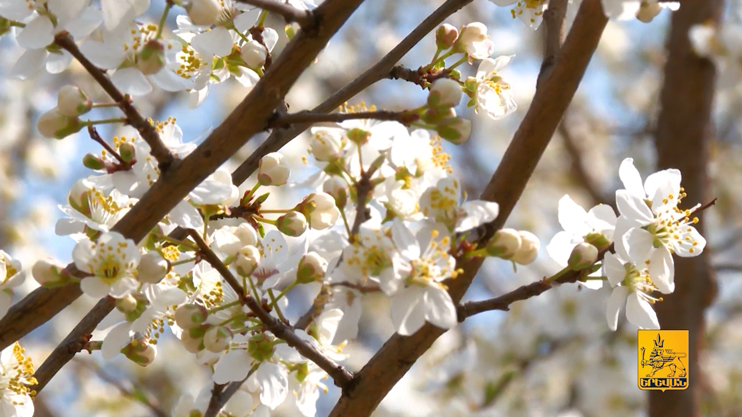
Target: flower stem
x,y
261,19
224,307
459,62
180,243
437,60
558,275
181,262
275,305
264,220
163,18
111,104
105,121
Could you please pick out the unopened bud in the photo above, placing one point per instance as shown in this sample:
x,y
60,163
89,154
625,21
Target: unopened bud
x,y
140,352
435,115
455,130
247,260
320,210
445,36
151,58
327,144
217,338
54,124
445,92
529,246
260,347
599,240
292,223
193,343
93,161
152,268
272,170
189,316
126,304
312,268
49,274
72,101
648,11
338,189
203,12
583,255
504,244
127,152
254,54
246,234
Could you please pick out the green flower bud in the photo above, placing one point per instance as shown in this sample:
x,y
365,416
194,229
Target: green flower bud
x,y
93,161
583,256
599,240
72,101
246,260
54,124
189,316
529,246
49,274
140,352
445,36
444,93
292,223
455,130
217,338
127,151
312,268
260,347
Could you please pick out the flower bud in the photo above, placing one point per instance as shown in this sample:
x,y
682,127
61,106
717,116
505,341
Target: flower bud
x,y
338,189
435,115
312,268
49,274
78,195
72,101
583,255
445,92
292,223
151,58
260,347
4,26
529,246
54,124
246,234
193,343
189,316
320,210
203,12
473,32
504,244
272,171
599,240
445,36
140,352
247,260
152,268
93,161
254,54
327,144
217,338
455,130
127,152
126,304
648,11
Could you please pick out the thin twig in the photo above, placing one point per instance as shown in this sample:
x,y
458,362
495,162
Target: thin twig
x,y
304,117
341,376
358,287
305,18
220,394
158,149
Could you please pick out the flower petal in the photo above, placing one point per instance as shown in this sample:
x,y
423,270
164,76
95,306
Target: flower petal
x,y
638,243
662,270
572,217
614,306
614,269
633,207
640,312
94,287
408,311
632,180
439,308
274,384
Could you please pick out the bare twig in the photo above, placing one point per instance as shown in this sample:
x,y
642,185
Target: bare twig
x,y
305,18
309,117
133,117
220,394
282,331
358,287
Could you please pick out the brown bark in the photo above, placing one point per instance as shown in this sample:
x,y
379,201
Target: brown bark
x,y
684,130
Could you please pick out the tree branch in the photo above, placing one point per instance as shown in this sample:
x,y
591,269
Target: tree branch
x,y
305,18
221,394
552,98
282,331
554,34
308,117
134,118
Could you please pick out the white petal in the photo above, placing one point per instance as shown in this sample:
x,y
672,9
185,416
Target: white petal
x,y
131,81
94,287
633,207
122,287
632,180
233,366
38,33
115,340
404,240
103,55
408,310
29,63
691,243
58,62
214,42
561,246
638,242
477,213
640,312
274,384
572,217
662,183
439,308
662,270
83,254
117,12
602,219
270,37
66,10
86,23
614,269
170,81
614,306
186,216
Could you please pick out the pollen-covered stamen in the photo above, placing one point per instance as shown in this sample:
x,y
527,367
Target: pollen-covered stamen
x,y
640,283
16,375
435,264
102,208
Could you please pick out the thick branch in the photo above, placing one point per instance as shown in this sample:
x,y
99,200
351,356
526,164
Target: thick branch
x,y
279,138
554,35
282,331
552,98
305,18
134,118
248,118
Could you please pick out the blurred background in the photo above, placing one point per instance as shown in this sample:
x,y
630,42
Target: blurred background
x,y
550,355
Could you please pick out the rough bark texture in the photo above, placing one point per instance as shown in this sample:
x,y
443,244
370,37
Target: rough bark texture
x,y
684,132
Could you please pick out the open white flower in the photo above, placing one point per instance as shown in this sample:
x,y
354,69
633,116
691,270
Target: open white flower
x,y
645,10
442,204
112,261
531,12
633,287
10,277
492,92
16,375
651,226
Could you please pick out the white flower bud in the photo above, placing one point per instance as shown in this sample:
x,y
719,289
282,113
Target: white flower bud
x,y
455,130
189,316
140,352
320,210
312,268
474,41
246,234
648,11
127,303
49,274
473,32
445,92
193,339
203,12
72,101
292,223
272,170
338,189
247,260
529,246
445,36
217,338
54,124
152,268
254,54
327,144
504,244
583,255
